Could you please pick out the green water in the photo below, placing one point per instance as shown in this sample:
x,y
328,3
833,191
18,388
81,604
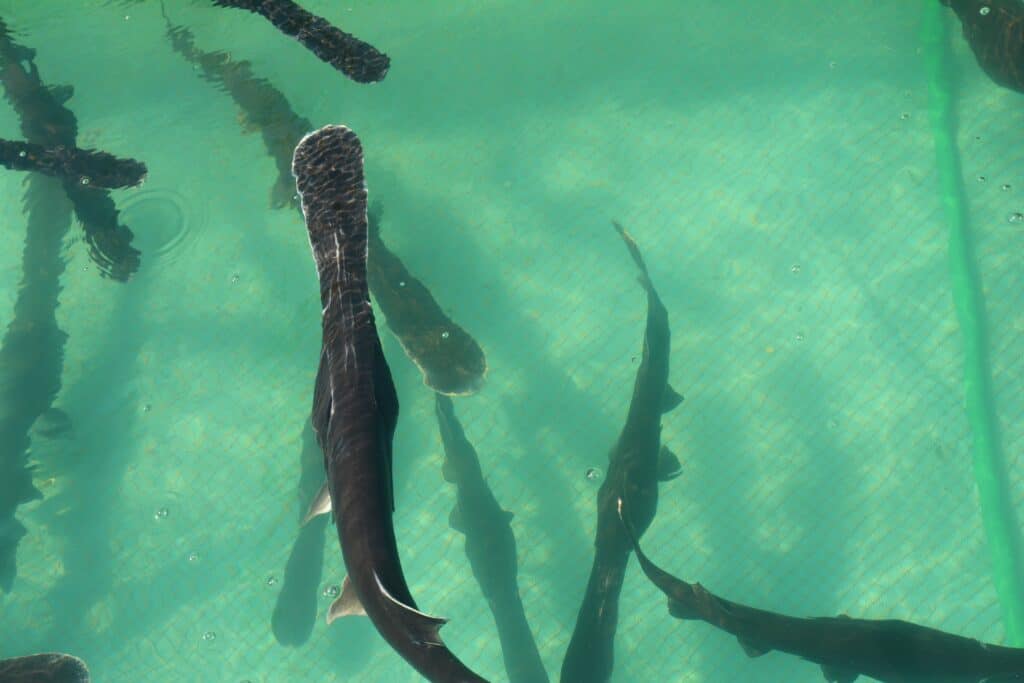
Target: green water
x,y
776,164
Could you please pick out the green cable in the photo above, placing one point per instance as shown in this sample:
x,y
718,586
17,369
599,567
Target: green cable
x,y
993,492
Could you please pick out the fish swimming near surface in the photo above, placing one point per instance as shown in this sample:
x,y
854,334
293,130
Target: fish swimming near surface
x,y
355,407
490,547
636,464
262,107
451,361
295,610
44,668
85,166
994,29
888,650
45,121
356,59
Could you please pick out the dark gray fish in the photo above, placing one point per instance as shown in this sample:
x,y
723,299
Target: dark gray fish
x,y
295,610
450,359
994,29
85,166
490,547
355,407
636,464
262,107
47,122
359,61
44,668
888,650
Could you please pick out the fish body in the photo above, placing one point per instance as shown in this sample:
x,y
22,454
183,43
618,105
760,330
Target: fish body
x,y
994,29
86,166
355,408
44,668
490,547
888,650
356,59
636,463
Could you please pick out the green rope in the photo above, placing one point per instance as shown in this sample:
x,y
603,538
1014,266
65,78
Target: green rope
x,y
996,508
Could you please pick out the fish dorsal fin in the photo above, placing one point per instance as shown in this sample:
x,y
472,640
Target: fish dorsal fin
x,y
347,604
422,627
668,465
750,648
834,675
320,505
671,399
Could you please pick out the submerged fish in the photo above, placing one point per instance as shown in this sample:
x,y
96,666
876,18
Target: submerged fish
x,y
262,106
888,650
85,166
44,668
636,463
490,547
359,61
450,359
995,31
355,407
47,122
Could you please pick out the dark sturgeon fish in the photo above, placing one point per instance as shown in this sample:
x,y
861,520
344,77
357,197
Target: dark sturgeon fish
x,y
44,668
86,166
451,361
490,547
636,463
355,407
995,31
46,121
262,106
888,650
359,61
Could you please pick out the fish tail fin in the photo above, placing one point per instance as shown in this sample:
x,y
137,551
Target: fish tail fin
x,y
423,628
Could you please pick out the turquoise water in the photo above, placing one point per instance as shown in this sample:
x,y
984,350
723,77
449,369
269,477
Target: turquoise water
x,y
775,163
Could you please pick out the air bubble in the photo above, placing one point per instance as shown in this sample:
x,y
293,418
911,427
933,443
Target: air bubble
x,y
234,278
795,268
401,283
445,334
193,556
982,179
22,154
904,116
161,513
146,408
984,11
271,580
592,474
1005,187
799,336
1015,217
331,591
209,636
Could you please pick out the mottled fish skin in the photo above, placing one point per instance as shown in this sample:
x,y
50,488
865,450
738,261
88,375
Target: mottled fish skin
x,y
636,463
356,430
47,122
888,650
994,29
89,167
490,547
451,361
51,667
356,59
262,107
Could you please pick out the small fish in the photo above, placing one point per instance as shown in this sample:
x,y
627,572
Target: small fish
x,y
888,650
995,31
44,668
355,407
451,361
490,547
360,61
88,167
637,462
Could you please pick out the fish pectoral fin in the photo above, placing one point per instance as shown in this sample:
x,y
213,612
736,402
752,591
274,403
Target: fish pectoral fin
x,y
347,604
669,466
682,610
61,93
751,649
671,399
834,675
321,504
